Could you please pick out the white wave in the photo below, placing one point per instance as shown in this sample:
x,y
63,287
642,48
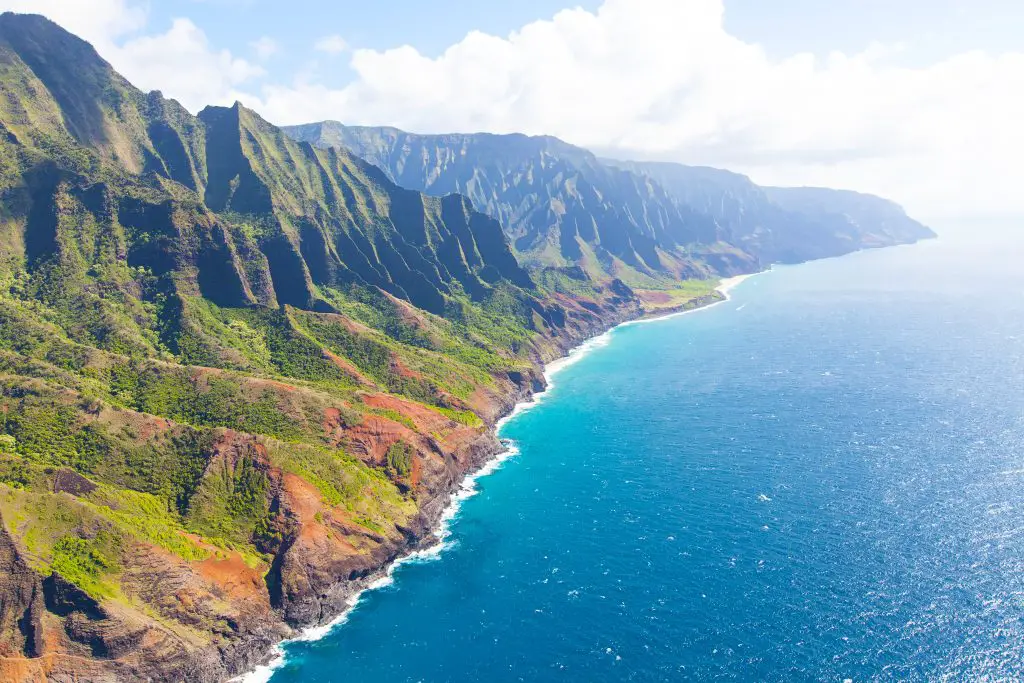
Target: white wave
x,y
1011,473
580,352
467,489
725,288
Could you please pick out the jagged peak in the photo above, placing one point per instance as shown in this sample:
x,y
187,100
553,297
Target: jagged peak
x,y
35,32
216,110
520,142
26,19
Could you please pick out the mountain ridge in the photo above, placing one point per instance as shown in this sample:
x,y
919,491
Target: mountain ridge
x,y
762,220
742,214
240,374
559,205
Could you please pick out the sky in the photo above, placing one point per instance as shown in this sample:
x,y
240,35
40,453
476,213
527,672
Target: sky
x,y
921,101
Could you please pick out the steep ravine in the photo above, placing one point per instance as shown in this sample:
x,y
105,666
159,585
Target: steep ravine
x,y
327,581
320,607
240,373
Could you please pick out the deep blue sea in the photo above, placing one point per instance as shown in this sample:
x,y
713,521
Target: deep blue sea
x,y
821,479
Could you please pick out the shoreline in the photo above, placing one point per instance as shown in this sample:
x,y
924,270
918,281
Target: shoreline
x,y
436,542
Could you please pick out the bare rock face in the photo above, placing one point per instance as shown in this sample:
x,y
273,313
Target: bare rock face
x,y
21,603
240,374
544,191
69,481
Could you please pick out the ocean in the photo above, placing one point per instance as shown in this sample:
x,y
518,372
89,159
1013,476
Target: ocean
x,y
821,479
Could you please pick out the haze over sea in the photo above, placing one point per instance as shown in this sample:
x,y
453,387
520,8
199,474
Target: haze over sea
x,y
822,479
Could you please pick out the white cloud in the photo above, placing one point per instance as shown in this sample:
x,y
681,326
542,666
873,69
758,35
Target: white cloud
x,y
644,79
98,21
265,47
331,44
663,79
179,62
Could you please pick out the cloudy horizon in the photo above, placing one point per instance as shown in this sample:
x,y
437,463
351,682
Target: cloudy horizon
x,y
644,79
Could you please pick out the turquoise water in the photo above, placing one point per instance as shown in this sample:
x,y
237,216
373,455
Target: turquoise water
x,y
822,479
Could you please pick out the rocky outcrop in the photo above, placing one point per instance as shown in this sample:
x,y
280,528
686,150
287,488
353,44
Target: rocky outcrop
x,y
784,225
240,374
559,205
21,603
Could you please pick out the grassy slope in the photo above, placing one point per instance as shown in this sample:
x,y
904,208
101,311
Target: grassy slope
x,y
559,204
217,344
107,344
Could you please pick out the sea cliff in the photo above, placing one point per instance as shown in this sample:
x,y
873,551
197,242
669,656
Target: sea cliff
x,y
240,374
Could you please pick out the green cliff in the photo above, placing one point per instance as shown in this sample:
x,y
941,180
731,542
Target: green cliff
x,y
640,221
238,373
559,205
784,225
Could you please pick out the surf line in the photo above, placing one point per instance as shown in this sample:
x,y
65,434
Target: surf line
x,y
466,490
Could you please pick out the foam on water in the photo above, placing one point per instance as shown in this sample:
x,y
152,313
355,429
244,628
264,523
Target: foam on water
x,y
467,489
705,504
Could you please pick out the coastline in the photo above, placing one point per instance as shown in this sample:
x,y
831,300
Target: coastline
x,y
436,542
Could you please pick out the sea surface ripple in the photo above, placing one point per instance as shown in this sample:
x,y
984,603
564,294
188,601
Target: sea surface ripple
x,y
822,479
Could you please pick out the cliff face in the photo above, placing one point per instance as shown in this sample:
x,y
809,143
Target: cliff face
x,y
562,205
340,221
21,607
239,373
559,204
785,225
865,220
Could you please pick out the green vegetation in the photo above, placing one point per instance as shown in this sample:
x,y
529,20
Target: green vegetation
x,y
680,295
144,517
421,355
392,415
465,417
83,563
192,312
64,536
400,458
231,504
347,483
208,399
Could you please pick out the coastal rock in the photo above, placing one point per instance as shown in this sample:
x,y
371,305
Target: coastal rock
x,y
240,374
21,603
